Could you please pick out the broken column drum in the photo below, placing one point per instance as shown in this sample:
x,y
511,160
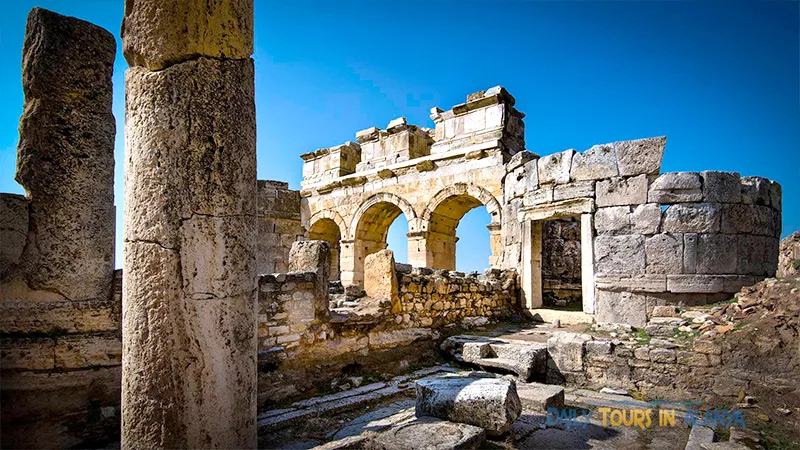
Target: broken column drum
x,y
189,315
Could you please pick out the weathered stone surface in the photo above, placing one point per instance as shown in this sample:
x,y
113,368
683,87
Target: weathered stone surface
x,y
789,256
757,255
721,187
540,396
597,163
380,278
310,256
613,220
631,283
676,187
664,253
621,307
157,34
566,351
577,189
65,157
428,433
519,159
622,191
399,338
716,253
13,231
641,156
623,254
750,219
699,284
489,403
755,191
692,218
189,269
526,359
646,219
554,169
76,352
698,436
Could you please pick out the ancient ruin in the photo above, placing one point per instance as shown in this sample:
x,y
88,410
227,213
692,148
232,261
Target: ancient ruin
x,y
245,308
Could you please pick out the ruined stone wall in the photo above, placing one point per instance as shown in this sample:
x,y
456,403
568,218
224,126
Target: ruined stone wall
x,y
279,225
674,238
303,345
60,346
447,298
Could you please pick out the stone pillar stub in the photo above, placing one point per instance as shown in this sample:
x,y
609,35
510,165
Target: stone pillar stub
x,y
189,315
532,264
65,157
159,33
587,263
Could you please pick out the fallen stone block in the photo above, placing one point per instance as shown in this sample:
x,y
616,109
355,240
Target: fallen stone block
x,y
490,403
525,359
540,396
428,433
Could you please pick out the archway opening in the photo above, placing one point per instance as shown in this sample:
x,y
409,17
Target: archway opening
x,y
561,264
473,249
371,234
327,230
442,238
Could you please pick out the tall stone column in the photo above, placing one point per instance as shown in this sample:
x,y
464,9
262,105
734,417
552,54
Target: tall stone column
x,y
189,309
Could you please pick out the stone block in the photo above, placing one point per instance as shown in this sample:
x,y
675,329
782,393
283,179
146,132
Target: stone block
x,y
676,187
716,253
400,338
692,218
721,187
623,254
13,231
755,191
538,196
696,284
750,219
421,432
789,254
641,156
757,255
596,163
646,219
631,283
662,355
555,168
613,220
775,195
540,396
664,253
76,352
622,191
489,403
690,252
26,354
621,307
380,277
519,159
186,30
566,351
577,189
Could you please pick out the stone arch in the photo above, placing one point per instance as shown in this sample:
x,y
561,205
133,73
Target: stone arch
x,y
368,230
332,215
328,226
441,217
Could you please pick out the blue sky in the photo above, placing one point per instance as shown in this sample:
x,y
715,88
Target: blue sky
x,y
719,79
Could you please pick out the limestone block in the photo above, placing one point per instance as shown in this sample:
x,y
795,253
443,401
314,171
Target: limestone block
x,y
554,169
597,163
380,278
310,256
623,254
566,351
646,219
750,219
690,252
538,196
421,432
622,191
613,220
692,218
541,396
157,34
757,255
716,253
26,354
83,351
642,156
51,317
699,284
521,158
775,195
399,338
13,231
489,403
664,253
721,187
65,157
755,191
575,189
632,283
621,307
676,187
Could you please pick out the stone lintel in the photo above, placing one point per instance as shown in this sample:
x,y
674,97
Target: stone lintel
x,y
557,210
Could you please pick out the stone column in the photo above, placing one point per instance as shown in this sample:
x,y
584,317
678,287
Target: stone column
x,y
189,311
531,264
495,244
587,263
65,158
347,261
418,253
